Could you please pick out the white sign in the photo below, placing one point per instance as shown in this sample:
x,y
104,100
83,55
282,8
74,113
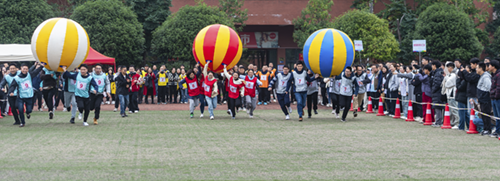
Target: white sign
x,y
358,45
419,46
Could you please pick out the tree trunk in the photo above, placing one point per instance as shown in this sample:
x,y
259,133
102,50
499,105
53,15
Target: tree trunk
x,y
371,6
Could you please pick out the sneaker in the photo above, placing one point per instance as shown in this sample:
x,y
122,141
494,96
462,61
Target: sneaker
x,y
136,111
308,117
123,115
65,110
130,112
244,109
41,110
201,115
233,118
343,120
112,102
494,135
386,113
85,124
17,123
485,133
337,116
28,116
251,117
289,109
225,102
436,125
355,114
274,100
300,119
230,113
191,115
294,102
248,111
51,115
114,110
95,121
315,112
455,127
107,102
265,103
80,116
239,109
333,111
72,121
21,125
211,117
287,117
260,103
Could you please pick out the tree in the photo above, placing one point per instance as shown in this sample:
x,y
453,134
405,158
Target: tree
x,y
19,19
449,33
363,4
315,16
492,26
495,45
174,38
378,42
233,10
113,29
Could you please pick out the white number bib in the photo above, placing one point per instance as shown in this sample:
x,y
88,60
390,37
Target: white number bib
x,y
162,79
193,85
81,85
100,82
26,85
249,85
283,83
263,77
232,89
346,89
300,81
360,83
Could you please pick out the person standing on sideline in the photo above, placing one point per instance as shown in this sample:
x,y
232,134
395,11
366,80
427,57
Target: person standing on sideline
x,y
149,86
471,77
251,83
210,90
133,106
391,86
483,96
437,98
264,77
194,92
83,83
362,80
417,91
371,88
23,85
495,94
403,92
348,87
312,94
7,80
162,85
122,89
236,90
449,89
282,80
103,85
424,78
49,82
173,79
298,83
461,99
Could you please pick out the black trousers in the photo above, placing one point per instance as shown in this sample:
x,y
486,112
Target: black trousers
x,y
162,91
173,93
117,100
83,107
263,95
392,103
324,96
13,106
37,97
232,104
149,93
345,101
417,109
133,105
374,101
59,98
48,96
95,104
486,108
335,102
312,102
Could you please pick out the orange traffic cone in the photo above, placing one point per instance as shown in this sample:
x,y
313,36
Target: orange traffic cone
x,y
10,112
472,126
397,113
380,107
428,115
351,106
446,123
370,106
410,112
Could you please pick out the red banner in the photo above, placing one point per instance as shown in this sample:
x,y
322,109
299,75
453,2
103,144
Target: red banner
x,y
248,39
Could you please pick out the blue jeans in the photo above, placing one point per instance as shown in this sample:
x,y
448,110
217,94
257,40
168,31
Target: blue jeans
x,y
470,105
202,103
479,124
464,116
21,102
301,102
496,111
184,93
212,104
123,102
404,104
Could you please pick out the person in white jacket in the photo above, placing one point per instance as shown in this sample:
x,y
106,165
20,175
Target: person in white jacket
x,y
449,88
404,92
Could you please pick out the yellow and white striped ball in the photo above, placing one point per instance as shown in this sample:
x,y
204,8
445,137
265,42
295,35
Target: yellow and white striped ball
x,y
60,42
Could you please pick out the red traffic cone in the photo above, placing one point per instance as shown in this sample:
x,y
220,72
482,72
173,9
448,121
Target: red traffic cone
x,y
428,115
397,113
410,112
10,112
472,126
351,106
446,123
380,107
370,106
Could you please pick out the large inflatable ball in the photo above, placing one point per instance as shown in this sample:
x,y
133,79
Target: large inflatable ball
x,y
217,43
60,42
328,52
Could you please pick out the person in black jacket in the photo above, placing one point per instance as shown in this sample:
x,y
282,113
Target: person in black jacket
x,y
49,89
437,78
417,110
122,86
471,77
461,99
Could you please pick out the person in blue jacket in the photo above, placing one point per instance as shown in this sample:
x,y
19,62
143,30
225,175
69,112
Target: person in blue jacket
x,y
82,91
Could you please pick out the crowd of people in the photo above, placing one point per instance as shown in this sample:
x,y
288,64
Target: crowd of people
x,y
463,87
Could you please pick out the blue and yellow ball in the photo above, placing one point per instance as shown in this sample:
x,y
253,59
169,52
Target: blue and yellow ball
x,y
328,52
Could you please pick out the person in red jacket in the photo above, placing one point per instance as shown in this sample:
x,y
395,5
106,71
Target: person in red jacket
x,y
149,83
194,91
133,106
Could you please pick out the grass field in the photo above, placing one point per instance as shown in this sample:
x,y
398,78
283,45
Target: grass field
x,y
167,145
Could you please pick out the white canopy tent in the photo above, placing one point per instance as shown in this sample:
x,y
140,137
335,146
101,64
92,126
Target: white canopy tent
x,y
16,52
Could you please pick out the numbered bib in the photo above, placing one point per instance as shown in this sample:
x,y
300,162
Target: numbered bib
x,y
81,85
249,85
100,82
207,88
300,81
26,85
283,83
73,81
263,77
360,83
346,89
193,85
232,89
313,84
162,79
338,85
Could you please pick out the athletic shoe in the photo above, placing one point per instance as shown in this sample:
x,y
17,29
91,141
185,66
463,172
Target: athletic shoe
x,y
65,110
51,115
294,102
17,123
355,113
287,117
274,100
115,110
403,117
333,111
248,111
211,117
136,111
300,119
107,102
85,124
80,116
233,118
21,125
72,121
112,102
201,115
494,135
225,102
239,109
309,117
41,110
191,115
455,127
315,112
436,125
289,109
265,103
485,133
95,121
68,108
343,120
244,109
123,115
260,103
230,113
130,112
251,117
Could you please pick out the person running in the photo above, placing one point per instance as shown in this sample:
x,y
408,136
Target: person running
x,y
103,84
264,77
281,90
334,90
83,83
348,83
299,85
210,90
23,85
251,83
69,96
236,88
312,94
193,90
7,80
49,84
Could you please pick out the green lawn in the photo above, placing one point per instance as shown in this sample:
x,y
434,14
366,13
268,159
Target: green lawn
x,y
167,145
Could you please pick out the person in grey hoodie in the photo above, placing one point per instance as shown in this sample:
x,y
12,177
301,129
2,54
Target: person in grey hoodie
x,y
392,87
483,96
282,80
299,79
